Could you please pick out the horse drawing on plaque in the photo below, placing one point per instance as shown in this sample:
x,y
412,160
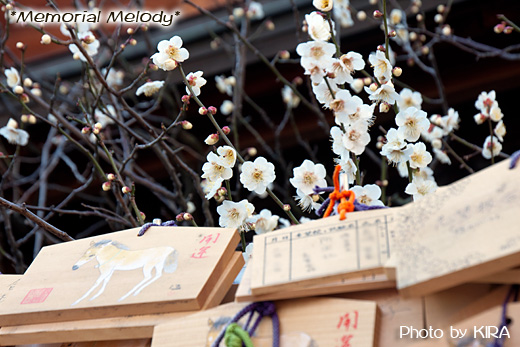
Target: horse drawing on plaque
x,y
112,256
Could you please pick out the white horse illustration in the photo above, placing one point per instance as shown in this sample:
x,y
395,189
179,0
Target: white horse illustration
x,y
112,256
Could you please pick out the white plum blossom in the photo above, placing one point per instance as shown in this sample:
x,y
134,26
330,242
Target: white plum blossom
x,y
210,187
356,137
307,176
491,148
343,67
225,84
368,194
114,78
289,98
409,98
264,221
441,156
234,214
424,173
255,11
500,130
348,168
420,188
342,104
412,122
150,88
382,66
89,43
450,122
485,101
214,169
318,27
170,53
316,53
227,156
323,5
323,92
227,107
341,13
396,16
195,80
385,93
14,135
306,201
13,77
432,133
396,149
495,113
420,157
105,116
358,112
257,175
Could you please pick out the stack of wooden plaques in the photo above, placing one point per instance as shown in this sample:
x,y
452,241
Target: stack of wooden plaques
x,y
118,285
462,232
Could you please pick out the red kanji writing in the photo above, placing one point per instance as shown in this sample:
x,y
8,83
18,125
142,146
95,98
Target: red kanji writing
x,y
201,252
345,340
348,321
209,238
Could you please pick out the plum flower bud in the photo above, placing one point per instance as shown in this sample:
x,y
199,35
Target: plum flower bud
x,y
286,207
27,82
446,30
98,126
211,139
384,107
130,31
397,71
186,125
499,28
438,18
441,8
46,39
381,48
185,99
222,191
508,30
9,7
285,54
212,110
24,98
392,33
187,216
179,217
373,87
361,15
437,143
203,111
18,90
132,42
20,45
85,130
111,177
412,36
377,14
96,131
126,190
425,50
419,17
143,216
367,81
226,130
269,25
106,186
238,12
251,151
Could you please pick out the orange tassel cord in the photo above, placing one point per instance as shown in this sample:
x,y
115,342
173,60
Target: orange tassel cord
x,y
345,205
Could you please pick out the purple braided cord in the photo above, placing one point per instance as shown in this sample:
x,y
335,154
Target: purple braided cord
x,y
147,226
266,308
514,159
513,292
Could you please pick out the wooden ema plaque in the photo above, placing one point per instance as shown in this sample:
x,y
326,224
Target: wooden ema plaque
x,y
325,250
7,285
366,282
465,231
169,269
117,328
322,321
